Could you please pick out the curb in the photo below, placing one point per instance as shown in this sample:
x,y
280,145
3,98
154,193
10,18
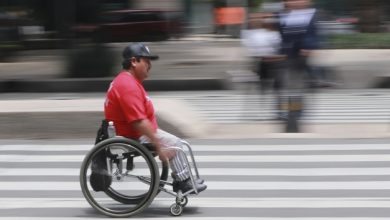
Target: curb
x,y
61,125
101,85
84,124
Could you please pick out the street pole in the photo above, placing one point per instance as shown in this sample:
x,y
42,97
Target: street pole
x,y
294,106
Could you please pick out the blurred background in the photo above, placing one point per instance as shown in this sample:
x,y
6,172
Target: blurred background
x,y
44,19
87,27
57,46
318,153
110,20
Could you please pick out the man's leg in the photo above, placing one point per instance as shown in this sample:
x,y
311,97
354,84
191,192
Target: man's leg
x,y
178,163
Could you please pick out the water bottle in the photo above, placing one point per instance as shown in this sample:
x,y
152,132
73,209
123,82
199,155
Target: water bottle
x,y
111,129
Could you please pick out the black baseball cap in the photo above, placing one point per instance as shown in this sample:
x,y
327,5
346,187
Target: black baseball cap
x,y
138,50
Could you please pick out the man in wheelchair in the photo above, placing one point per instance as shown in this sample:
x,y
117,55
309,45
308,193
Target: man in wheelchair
x,y
132,112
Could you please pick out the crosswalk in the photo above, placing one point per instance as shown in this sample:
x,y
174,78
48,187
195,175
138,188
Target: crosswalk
x,y
331,106
245,181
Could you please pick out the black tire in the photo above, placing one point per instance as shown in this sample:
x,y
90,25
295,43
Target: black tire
x,y
109,206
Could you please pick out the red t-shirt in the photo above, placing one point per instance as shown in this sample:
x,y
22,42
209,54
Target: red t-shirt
x,y
126,102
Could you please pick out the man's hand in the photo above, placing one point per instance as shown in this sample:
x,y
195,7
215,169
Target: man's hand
x,y
145,128
166,154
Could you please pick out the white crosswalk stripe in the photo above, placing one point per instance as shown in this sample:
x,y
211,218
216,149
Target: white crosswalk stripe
x,y
216,159
216,172
213,185
341,106
203,218
320,192
211,202
218,148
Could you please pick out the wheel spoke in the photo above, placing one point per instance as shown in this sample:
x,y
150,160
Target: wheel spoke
x,y
125,193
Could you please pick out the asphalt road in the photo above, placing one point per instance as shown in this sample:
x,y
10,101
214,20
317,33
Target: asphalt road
x,y
247,179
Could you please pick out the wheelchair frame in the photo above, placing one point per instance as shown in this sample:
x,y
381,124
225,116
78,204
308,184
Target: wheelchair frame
x,y
157,184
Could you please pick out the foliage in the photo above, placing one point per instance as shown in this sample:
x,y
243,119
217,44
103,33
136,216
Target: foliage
x,y
360,41
254,3
369,12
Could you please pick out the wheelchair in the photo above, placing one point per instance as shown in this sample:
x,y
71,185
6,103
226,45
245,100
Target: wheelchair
x,y
132,177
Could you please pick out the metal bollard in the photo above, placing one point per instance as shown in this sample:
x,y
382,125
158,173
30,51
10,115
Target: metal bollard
x,y
294,113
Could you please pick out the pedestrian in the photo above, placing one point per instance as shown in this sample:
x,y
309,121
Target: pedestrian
x,y
129,107
262,41
299,37
297,26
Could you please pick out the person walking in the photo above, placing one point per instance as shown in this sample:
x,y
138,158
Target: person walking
x,y
297,26
262,41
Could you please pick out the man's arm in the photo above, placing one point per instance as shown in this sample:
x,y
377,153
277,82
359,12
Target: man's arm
x,y
144,127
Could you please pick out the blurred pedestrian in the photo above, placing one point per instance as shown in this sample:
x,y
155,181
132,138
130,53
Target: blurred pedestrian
x,y
129,107
299,38
262,41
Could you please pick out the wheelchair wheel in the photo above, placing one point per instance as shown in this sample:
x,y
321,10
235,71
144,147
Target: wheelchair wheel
x,y
110,187
126,199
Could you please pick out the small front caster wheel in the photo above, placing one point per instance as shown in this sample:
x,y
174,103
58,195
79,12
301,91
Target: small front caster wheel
x,y
176,209
182,202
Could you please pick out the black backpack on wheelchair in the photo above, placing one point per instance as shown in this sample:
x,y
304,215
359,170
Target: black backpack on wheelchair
x,y
100,178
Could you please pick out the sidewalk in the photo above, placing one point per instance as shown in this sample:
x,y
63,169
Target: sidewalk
x,y
191,63
71,116
183,65
187,64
